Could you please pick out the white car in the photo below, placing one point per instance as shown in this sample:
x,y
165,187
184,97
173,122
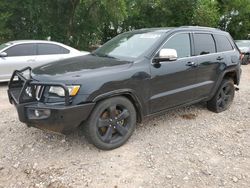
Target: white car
x,y
19,54
244,46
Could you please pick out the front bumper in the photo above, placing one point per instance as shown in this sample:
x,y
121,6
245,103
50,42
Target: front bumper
x,y
62,117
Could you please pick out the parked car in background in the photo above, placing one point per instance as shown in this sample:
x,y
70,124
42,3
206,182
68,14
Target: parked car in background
x,y
19,54
244,46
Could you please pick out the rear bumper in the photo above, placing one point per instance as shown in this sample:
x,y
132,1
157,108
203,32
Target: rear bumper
x,y
62,119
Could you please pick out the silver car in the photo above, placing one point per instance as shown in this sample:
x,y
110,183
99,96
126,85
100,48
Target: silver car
x,y
244,46
19,54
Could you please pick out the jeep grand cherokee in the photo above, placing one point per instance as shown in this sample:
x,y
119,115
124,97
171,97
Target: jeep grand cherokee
x,y
134,75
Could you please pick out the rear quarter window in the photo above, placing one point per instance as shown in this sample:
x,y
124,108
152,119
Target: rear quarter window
x,y
204,44
50,49
222,43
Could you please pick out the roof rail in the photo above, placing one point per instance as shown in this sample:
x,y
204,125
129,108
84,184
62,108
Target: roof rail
x,y
200,27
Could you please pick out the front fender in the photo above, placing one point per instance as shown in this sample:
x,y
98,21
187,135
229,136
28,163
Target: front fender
x,y
128,93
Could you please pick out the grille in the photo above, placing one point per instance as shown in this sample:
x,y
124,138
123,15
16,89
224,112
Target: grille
x,y
39,92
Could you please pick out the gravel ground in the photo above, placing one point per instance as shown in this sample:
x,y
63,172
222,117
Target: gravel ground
x,y
187,147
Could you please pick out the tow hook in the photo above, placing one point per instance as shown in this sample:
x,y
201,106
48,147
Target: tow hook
x,y
236,88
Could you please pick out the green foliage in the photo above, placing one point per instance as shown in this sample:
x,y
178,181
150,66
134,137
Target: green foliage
x,y
5,33
206,13
236,17
84,23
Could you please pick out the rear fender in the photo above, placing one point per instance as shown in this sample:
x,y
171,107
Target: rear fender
x,y
233,72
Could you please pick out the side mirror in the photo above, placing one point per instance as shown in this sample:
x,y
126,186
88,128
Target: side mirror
x,y
166,55
3,54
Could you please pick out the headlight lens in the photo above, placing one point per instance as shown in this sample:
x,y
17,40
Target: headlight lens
x,y
73,90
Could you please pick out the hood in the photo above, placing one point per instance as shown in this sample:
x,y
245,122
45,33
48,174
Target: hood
x,y
77,66
244,49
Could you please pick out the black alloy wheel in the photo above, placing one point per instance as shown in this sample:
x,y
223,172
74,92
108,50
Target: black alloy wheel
x,y
111,123
223,97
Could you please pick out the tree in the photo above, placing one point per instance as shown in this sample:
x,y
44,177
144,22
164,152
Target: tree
x,y
83,23
235,17
206,13
5,32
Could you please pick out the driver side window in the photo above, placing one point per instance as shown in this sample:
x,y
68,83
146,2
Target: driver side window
x,y
181,43
21,50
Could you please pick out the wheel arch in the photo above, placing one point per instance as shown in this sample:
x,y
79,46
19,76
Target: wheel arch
x,y
129,94
233,73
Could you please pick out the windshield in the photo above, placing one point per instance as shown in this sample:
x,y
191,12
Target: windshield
x,y
128,45
2,46
243,43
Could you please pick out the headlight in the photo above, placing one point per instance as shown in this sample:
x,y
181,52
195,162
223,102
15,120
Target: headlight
x,y
73,90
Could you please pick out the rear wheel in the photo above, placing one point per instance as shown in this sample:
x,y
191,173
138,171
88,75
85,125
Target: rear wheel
x,y
111,123
223,97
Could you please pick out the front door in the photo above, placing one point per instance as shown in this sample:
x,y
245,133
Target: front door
x,y
173,82
18,57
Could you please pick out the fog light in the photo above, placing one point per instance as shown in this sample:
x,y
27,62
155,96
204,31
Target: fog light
x,y
37,113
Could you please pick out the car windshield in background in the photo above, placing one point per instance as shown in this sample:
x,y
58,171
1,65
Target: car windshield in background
x,y
2,46
128,45
243,43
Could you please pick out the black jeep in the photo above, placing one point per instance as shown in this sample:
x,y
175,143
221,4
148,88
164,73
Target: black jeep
x,y
136,74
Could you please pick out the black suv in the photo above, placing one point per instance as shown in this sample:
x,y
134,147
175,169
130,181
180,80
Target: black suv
x,y
136,74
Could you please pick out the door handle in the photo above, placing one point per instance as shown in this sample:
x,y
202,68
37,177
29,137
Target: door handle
x,y
31,60
220,58
192,64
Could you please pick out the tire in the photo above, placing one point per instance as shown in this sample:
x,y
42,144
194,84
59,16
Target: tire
x,y
111,123
245,60
223,97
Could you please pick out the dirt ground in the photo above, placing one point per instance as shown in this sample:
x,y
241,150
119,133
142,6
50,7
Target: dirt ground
x,y
188,147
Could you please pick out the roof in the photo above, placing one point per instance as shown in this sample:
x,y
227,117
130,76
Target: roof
x,y
31,41
10,43
242,41
166,29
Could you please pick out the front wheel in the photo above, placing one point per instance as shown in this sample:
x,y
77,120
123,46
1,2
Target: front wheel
x,y
111,123
223,97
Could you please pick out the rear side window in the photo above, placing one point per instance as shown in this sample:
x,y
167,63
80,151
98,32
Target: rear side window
x,y
49,49
181,43
204,44
21,50
222,43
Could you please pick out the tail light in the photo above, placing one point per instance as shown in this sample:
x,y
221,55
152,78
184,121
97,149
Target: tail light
x,y
241,56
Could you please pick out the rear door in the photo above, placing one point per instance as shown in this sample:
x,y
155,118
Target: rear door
x,y
226,49
18,57
173,82
209,63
